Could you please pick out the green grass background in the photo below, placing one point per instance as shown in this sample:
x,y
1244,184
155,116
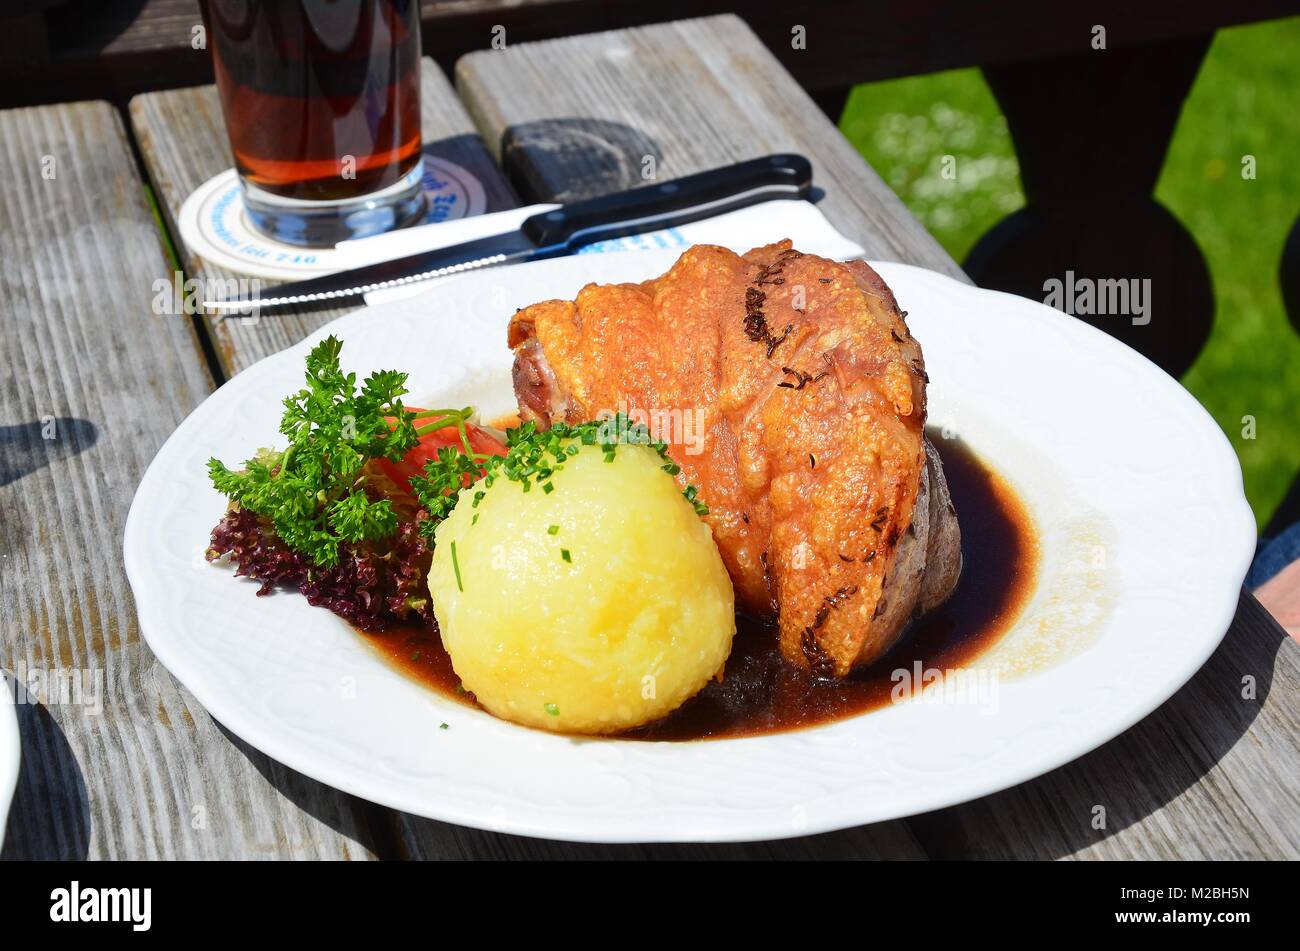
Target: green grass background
x,y
1246,101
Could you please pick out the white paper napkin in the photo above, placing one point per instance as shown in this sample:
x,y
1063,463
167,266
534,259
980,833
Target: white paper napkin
x,y
800,221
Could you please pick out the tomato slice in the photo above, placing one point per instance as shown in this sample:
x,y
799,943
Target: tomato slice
x,y
413,462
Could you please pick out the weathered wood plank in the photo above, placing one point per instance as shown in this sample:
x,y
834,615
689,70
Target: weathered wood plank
x,y
91,383
183,140
700,93
583,115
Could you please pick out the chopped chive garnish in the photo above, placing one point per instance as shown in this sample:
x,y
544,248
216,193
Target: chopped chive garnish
x,y
551,709
553,530
564,553
455,564
532,457
474,520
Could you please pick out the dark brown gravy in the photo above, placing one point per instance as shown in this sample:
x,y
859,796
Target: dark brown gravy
x,y
761,693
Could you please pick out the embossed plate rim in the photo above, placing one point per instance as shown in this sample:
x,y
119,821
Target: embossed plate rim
x,y
278,673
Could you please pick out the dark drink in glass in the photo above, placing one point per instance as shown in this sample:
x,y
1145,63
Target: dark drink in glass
x,y
322,105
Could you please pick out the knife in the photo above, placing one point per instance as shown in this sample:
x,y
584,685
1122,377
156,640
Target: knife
x,y
563,231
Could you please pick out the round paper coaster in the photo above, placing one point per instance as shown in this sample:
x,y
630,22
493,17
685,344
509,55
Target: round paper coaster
x,y
213,224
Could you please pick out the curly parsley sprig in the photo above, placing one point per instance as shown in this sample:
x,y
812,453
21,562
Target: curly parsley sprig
x,y
532,458
315,491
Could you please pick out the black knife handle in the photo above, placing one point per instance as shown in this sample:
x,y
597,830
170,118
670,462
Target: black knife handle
x,y
672,203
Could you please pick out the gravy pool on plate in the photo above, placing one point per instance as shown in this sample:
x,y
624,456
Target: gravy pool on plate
x,y
762,693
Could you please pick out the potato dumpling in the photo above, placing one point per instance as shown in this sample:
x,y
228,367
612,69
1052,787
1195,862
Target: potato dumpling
x,y
593,608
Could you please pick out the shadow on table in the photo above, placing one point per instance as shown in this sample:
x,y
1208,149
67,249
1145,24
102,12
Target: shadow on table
x,y
1131,777
355,819
27,447
565,160
50,814
428,839
470,153
391,835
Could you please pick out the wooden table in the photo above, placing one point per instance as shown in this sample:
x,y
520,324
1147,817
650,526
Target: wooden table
x,y
93,382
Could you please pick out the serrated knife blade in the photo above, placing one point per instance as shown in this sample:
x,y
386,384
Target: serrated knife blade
x,y
510,247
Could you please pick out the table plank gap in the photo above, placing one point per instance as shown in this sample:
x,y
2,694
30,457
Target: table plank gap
x,y
118,760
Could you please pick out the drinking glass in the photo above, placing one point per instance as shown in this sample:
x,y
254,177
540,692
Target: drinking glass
x,y
322,105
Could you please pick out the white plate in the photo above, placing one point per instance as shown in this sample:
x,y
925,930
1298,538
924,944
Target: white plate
x,y
8,753
1145,535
